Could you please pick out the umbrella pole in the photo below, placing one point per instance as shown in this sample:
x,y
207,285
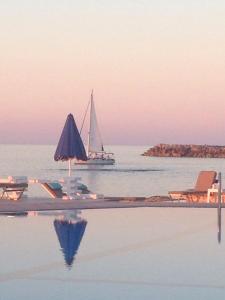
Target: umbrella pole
x,y
69,167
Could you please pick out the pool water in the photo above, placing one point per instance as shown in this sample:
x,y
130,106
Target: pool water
x,y
137,253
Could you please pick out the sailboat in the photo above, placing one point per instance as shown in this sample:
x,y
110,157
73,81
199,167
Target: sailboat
x,y
96,155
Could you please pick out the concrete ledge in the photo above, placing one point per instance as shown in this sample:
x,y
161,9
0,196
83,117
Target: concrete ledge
x,y
46,204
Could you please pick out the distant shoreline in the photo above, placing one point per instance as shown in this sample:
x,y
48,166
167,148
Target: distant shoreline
x,y
189,150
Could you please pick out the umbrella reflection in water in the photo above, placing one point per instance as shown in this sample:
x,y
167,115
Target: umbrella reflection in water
x,y
70,233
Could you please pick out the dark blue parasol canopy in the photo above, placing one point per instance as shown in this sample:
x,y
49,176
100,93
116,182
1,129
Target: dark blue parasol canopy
x,y
69,235
70,143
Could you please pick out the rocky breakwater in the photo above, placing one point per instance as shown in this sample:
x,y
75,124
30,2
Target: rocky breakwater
x,y
177,150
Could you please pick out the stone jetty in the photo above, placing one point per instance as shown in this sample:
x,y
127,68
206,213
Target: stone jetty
x,y
178,150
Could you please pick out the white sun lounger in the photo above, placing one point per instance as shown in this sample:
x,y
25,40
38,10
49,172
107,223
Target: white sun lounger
x,y
13,187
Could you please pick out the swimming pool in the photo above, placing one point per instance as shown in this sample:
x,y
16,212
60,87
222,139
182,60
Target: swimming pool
x,y
137,253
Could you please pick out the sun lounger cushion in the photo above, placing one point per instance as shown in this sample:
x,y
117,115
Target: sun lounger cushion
x,y
17,179
82,187
55,185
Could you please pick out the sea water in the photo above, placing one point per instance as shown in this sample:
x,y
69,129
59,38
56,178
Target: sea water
x,y
132,175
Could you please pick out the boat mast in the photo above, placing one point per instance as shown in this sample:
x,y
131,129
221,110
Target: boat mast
x,y
91,104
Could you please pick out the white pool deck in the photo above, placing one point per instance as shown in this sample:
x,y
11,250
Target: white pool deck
x,y
46,204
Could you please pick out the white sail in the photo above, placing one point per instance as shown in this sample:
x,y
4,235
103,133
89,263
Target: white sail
x,y
94,142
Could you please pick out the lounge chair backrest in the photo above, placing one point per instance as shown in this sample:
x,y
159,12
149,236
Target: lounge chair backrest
x,y
53,189
205,180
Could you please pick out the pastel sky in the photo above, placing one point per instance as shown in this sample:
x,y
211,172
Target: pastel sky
x,y
157,68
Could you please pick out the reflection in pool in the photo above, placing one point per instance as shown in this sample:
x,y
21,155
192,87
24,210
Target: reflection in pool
x,y
146,253
219,221
70,233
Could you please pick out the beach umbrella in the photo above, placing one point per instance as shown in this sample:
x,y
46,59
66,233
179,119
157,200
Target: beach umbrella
x,y
70,235
70,144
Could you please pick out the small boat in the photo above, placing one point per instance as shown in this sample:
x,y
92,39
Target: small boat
x,y
96,155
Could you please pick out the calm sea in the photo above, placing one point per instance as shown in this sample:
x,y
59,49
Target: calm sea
x,y
132,175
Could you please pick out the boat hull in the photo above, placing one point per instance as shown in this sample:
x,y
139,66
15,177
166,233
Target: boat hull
x,y
96,161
